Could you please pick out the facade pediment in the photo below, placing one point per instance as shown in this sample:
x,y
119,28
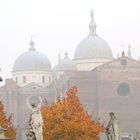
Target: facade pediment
x,y
122,69
33,87
122,62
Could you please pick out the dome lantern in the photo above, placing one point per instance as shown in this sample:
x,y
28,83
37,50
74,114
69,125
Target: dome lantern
x,y
32,48
32,44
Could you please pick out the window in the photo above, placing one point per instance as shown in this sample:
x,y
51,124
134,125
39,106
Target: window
x,y
16,80
43,79
123,89
24,79
49,79
33,87
123,62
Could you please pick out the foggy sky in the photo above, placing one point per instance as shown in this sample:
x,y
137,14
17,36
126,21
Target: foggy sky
x,y
59,25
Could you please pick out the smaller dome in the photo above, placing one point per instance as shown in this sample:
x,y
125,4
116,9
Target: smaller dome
x,y
65,64
32,60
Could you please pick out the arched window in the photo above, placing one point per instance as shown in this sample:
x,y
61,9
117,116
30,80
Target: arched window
x,y
49,79
24,79
123,89
16,80
43,79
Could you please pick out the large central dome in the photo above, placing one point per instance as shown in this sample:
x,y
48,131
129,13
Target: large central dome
x,y
32,60
93,46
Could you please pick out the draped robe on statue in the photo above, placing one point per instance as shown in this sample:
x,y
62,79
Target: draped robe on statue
x,y
36,123
112,129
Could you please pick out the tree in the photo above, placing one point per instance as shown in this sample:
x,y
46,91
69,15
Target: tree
x,y
67,120
6,123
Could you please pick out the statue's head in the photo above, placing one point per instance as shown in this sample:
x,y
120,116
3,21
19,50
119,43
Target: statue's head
x,y
33,105
137,134
30,133
111,114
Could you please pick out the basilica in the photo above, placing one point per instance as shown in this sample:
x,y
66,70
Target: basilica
x,y
105,84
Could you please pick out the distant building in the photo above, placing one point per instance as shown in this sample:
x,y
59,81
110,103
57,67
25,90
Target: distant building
x,y
92,51
105,84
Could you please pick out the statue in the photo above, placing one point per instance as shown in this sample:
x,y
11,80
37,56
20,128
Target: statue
x,y
92,15
34,131
112,129
137,136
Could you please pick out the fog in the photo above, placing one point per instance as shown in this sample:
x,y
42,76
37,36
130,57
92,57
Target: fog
x,y
58,26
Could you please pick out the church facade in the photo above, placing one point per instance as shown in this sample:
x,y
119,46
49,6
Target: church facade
x,y
104,84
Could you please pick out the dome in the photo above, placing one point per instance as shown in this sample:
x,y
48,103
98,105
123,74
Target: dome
x,y
93,46
32,60
65,64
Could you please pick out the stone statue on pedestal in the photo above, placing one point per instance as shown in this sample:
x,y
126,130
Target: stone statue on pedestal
x,y
112,129
34,131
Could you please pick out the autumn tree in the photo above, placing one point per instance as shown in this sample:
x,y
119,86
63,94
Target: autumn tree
x,y
6,123
67,120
